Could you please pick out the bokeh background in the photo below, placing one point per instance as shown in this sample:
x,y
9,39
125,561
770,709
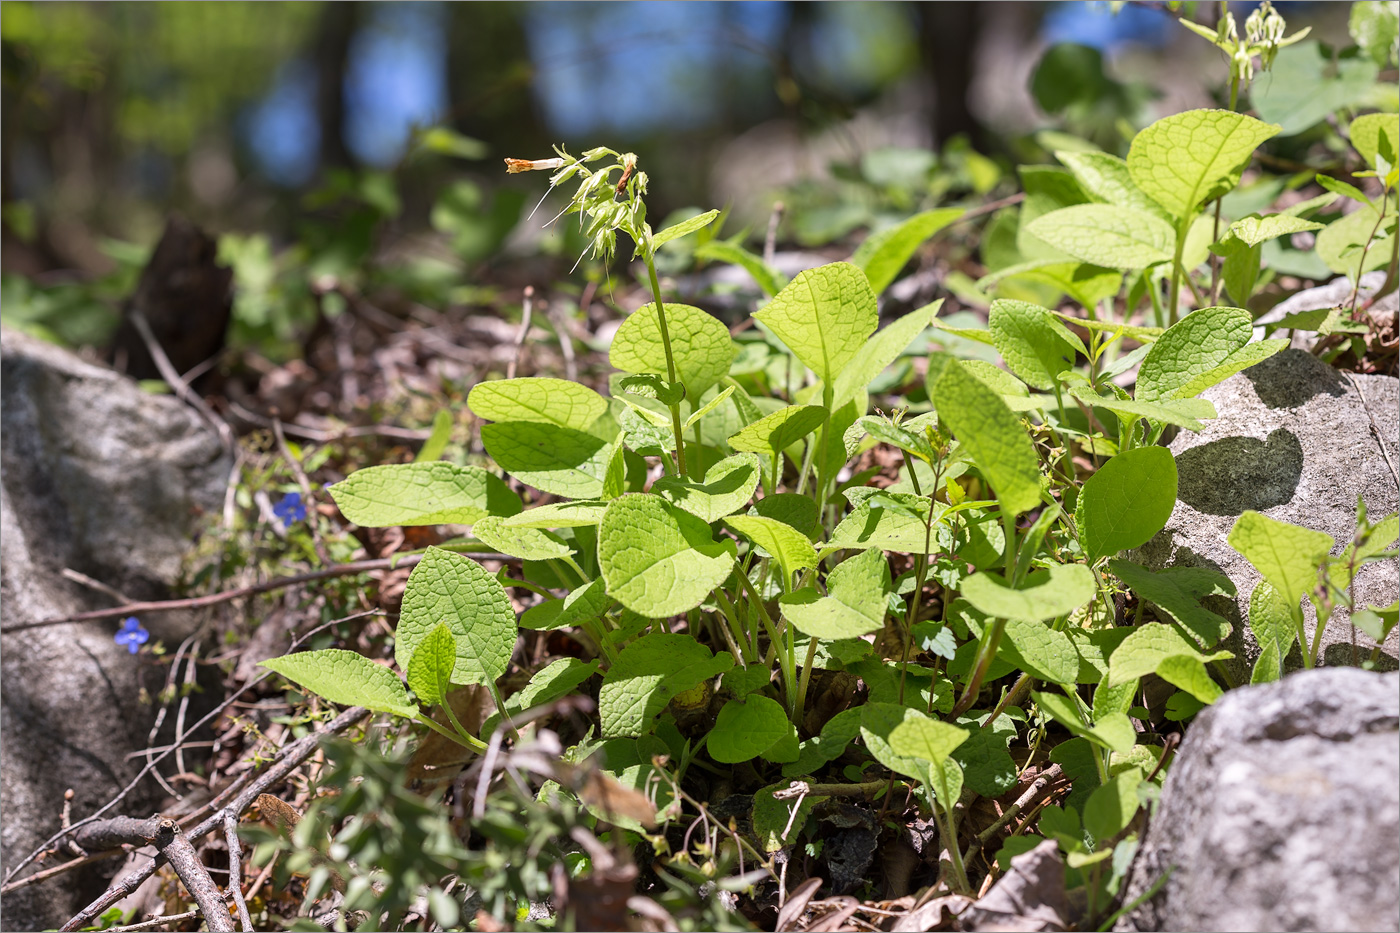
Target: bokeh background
x,y
256,119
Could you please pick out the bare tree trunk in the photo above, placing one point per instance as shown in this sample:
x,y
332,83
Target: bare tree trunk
x,y
339,22
948,42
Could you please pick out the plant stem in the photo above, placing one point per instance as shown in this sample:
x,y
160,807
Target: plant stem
x,y
1174,293
805,680
828,396
670,360
466,741
991,636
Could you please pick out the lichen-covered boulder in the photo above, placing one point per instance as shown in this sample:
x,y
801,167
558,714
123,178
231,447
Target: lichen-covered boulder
x,y
1298,441
1280,812
113,482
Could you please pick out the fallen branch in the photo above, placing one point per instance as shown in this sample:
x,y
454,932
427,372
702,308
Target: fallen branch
x,y
287,761
214,599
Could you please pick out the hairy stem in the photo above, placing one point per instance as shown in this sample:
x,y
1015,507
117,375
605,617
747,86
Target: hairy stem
x,y
670,361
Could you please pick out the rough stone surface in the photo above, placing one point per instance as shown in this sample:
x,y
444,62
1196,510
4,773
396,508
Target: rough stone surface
x,y
1281,812
1298,441
110,481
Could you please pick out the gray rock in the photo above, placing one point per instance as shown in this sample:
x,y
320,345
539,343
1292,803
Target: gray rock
x,y
1281,812
1299,441
111,481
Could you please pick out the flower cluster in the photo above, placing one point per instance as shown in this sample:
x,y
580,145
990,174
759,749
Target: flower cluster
x,y
596,200
1263,36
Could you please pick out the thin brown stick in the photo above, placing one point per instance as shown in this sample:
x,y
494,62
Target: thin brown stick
x,y
214,599
1043,786
178,385
150,765
155,922
179,852
235,871
523,332
62,868
288,761
83,579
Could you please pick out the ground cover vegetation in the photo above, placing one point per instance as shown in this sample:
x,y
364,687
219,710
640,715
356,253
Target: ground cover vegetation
x,y
808,603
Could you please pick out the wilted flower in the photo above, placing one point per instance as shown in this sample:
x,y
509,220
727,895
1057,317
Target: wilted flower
x,y
131,634
515,166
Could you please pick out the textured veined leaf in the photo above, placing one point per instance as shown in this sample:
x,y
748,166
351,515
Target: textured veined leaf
x,y
1107,235
1184,160
700,345
883,254
857,603
825,316
880,351
562,461
346,678
647,674
447,587
746,729
1202,349
684,228
789,547
1286,555
427,493
778,431
430,669
536,398
1035,344
1044,594
727,487
524,543
1126,502
1106,178
1178,592
659,560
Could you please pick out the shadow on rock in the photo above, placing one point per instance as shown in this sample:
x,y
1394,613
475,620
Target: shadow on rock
x,y
1290,378
1228,476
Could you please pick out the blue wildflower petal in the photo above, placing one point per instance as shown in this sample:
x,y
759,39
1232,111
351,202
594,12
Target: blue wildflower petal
x,y
131,634
290,509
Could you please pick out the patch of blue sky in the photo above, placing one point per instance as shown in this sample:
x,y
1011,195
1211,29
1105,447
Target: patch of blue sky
x,y
396,79
1095,24
282,130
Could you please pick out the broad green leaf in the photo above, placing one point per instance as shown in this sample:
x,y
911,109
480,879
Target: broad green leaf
x,y
579,514
824,316
1183,412
1106,178
684,228
429,671
1307,84
659,560
1190,675
587,602
857,604
774,823
1143,651
1040,651
988,769
1186,159
1271,621
1106,235
1044,594
1374,26
428,493
705,409
562,461
1142,335
1376,134
652,385
1085,283
892,522
437,441
1267,667
1337,186
538,399
1001,381
768,278
551,682
775,433
990,434
700,345
877,722
1341,243
789,547
728,486
1126,502
925,738
897,436
838,733
880,351
1178,592
1112,806
524,543
648,673
746,729
1113,731
1035,345
1253,230
1286,555
1240,272
450,588
1377,621
346,678
883,254
791,509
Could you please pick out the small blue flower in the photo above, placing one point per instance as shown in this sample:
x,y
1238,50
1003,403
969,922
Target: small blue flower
x,y
132,634
290,509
